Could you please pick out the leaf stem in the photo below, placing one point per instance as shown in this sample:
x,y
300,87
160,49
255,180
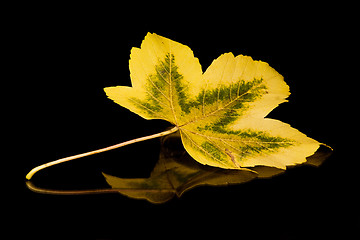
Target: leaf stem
x,y
38,168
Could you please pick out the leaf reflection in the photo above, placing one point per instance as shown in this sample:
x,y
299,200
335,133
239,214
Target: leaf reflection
x,y
176,172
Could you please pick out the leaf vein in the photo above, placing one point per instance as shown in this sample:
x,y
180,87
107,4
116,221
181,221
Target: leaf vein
x,y
232,139
171,85
201,148
154,85
157,100
163,67
223,108
148,109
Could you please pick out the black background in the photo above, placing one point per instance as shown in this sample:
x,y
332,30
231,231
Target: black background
x,y
69,54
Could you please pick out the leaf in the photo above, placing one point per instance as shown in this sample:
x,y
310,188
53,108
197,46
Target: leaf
x,y
220,114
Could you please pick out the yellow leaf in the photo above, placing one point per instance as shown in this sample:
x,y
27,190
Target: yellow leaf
x,y
220,113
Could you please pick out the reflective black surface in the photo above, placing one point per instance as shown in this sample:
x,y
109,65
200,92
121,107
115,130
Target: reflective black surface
x,y
176,172
71,57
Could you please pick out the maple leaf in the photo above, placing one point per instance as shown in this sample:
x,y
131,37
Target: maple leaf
x,y
220,113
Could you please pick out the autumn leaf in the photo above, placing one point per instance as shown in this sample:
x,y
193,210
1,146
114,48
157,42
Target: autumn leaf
x,y
220,113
